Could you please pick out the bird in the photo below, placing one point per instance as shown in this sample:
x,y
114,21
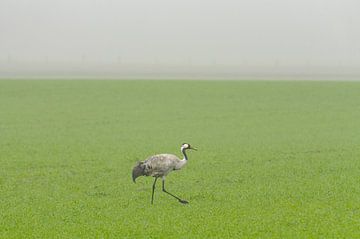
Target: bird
x,y
161,165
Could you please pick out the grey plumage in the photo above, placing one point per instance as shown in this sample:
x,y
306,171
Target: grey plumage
x,y
161,165
156,166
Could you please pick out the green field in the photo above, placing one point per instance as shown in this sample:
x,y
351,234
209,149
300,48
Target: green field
x,y
275,160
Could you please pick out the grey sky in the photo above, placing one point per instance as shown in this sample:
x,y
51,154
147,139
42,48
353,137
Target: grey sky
x,y
322,32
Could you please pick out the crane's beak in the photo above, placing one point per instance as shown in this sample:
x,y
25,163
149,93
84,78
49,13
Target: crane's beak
x,y
138,171
193,148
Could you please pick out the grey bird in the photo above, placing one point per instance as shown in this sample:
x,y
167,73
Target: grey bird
x,y
161,165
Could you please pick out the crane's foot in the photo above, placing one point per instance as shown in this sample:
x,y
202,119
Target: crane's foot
x,y
183,201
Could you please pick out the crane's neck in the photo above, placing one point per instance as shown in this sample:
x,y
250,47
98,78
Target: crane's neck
x,y
182,162
183,152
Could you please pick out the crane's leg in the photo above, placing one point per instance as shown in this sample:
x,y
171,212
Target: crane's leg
x,y
163,188
153,189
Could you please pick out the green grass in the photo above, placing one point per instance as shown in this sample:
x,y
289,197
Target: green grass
x,y
275,159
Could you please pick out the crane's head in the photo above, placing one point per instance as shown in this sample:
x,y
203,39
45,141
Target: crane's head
x,y
187,146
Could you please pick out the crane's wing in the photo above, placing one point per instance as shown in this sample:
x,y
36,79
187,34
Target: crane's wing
x,y
156,165
160,164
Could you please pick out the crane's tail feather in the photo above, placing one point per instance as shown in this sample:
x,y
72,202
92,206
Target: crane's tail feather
x,y
138,170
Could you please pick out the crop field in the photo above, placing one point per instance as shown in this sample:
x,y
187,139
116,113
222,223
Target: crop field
x,y
275,159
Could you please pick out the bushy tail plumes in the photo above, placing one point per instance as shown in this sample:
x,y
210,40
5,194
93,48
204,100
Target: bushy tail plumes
x,y
138,171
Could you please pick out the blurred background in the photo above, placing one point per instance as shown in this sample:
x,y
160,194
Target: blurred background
x,y
203,39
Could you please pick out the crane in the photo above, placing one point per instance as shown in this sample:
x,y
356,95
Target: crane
x,y
161,165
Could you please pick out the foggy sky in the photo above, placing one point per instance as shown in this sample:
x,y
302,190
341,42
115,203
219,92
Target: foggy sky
x,y
202,32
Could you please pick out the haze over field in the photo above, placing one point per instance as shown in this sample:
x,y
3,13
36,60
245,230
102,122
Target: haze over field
x,y
185,38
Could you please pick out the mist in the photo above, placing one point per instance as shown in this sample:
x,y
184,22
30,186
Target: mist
x,y
184,39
